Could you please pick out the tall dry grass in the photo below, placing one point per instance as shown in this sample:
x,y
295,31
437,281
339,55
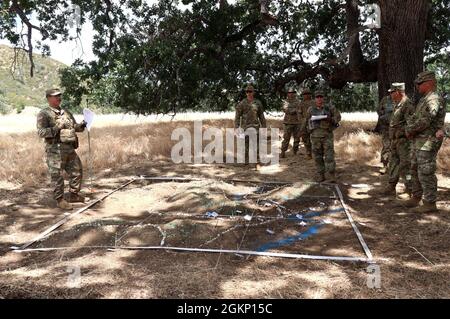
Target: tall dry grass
x,y
22,154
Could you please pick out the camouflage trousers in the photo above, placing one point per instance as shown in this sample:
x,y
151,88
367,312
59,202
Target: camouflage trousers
x,y
306,138
385,151
291,130
59,159
423,173
323,153
400,162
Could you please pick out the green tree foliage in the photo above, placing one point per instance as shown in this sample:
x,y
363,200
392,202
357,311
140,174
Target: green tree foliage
x,y
162,58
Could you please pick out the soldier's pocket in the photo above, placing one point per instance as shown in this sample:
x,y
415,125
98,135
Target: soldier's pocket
x,y
53,162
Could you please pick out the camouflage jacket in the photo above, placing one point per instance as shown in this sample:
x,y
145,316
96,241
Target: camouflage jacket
x,y
402,112
385,109
47,129
322,128
305,105
292,111
249,114
428,118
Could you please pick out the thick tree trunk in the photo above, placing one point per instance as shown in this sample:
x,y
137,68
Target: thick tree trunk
x,y
401,42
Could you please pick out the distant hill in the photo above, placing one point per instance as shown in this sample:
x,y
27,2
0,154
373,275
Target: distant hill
x,y
17,89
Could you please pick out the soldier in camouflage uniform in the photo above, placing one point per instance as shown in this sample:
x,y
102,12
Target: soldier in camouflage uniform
x,y
57,127
250,114
422,128
305,105
384,111
292,122
322,137
400,146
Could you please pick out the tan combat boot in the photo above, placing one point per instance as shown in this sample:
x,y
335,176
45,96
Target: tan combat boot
x,y
63,204
426,207
412,202
389,190
319,178
331,177
76,198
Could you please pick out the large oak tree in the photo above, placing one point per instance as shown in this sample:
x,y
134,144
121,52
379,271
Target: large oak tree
x,y
157,58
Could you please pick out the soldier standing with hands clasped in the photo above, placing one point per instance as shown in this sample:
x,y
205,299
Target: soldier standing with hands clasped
x,y
57,127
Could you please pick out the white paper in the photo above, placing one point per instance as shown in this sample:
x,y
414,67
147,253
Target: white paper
x,y
248,217
318,117
270,231
88,117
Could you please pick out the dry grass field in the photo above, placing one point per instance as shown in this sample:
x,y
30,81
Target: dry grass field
x,y
411,250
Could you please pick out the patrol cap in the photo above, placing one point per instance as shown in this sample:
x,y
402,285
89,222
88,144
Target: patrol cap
x,y
397,87
306,91
291,89
425,76
320,93
249,87
52,92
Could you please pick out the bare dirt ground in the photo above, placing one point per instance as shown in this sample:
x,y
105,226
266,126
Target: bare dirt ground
x,y
411,250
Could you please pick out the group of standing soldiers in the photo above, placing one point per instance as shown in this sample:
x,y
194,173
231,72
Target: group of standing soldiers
x,y
313,121
412,136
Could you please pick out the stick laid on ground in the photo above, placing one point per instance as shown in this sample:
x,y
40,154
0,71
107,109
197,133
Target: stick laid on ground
x,y
204,250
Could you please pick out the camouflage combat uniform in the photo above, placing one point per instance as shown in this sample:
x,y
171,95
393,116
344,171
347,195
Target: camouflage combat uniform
x,y
60,155
292,123
427,119
306,138
250,115
322,138
384,112
400,146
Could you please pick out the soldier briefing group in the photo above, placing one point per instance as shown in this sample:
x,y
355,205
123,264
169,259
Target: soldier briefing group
x,y
412,136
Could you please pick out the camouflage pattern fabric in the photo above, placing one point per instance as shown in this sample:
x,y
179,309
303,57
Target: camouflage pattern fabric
x,y
249,114
322,137
304,132
384,111
60,156
428,117
292,123
400,146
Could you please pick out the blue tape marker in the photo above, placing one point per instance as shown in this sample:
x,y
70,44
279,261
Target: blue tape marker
x,y
292,239
314,214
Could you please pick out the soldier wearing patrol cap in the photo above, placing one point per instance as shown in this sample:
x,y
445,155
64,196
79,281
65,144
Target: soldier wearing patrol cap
x,y
57,127
250,114
306,103
400,146
323,119
421,129
292,121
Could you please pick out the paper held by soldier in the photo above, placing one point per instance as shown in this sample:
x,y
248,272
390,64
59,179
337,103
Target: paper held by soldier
x,y
318,117
88,117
